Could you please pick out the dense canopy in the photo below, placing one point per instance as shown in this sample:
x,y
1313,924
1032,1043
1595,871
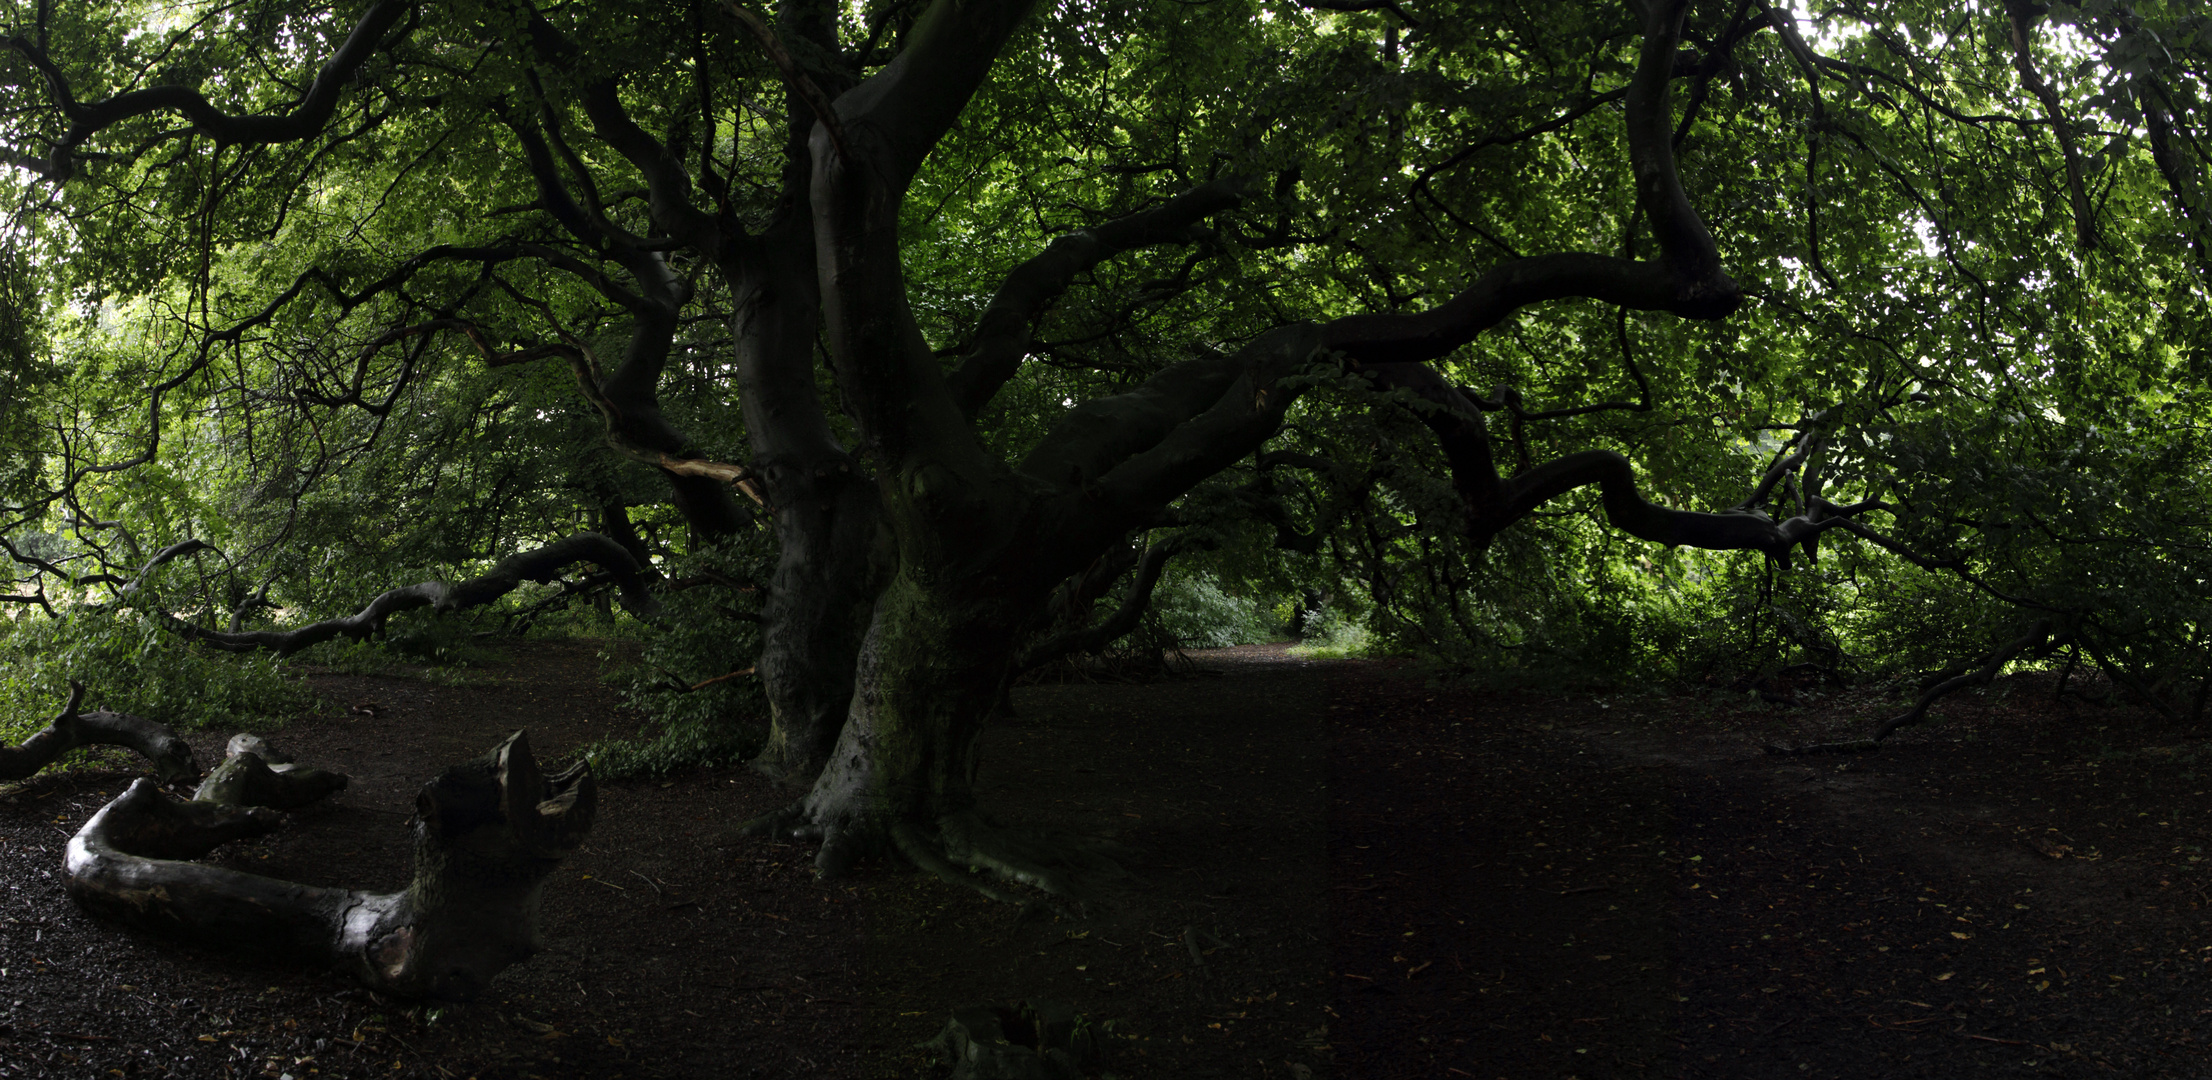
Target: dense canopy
x,y
879,354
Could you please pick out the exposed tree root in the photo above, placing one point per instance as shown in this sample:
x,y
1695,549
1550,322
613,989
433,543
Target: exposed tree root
x,y
253,773
487,833
929,856
964,848
2038,637
171,758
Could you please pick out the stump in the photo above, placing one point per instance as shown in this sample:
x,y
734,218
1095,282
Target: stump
x,y
253,773
487,832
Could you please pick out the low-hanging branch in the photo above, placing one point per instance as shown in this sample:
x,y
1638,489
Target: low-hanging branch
x,y
1124,619
1493,502
171,757
543,564
160,559
487,834
2038,638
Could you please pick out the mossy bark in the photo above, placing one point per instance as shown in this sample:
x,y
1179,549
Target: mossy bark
x,y
817,611
927,677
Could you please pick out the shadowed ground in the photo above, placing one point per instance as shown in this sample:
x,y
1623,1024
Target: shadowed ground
x,y
1378,878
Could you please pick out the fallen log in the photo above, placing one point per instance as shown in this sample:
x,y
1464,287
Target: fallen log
x,y
171,758
487,832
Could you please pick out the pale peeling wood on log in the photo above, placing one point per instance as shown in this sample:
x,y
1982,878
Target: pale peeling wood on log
x,y
487,833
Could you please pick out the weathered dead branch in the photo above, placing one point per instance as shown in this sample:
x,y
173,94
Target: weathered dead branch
x,y
2037,637
171,758
487,833
253,773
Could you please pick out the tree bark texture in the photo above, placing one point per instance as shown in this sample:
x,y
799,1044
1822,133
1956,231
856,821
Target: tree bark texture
x,y
829,523
828,572
253,773
902,775
487,833
171,758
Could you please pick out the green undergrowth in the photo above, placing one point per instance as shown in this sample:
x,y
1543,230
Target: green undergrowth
x,y
1201,614
681,745
1338,638
686,674
456,664
130,663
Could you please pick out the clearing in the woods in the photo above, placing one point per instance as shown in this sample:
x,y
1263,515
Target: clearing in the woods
x,y
1344,869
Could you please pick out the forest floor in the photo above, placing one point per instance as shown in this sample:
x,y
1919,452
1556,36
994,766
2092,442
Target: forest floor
x,y
1341,870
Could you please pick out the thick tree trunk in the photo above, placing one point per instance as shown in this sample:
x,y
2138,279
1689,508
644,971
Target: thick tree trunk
x,y
826,579
486,835
928,674
902,774
829,523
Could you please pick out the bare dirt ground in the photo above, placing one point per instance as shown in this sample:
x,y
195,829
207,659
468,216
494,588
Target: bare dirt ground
x,y
1341,870
1565,886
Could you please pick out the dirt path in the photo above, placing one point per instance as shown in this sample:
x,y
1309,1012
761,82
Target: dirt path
x,y
1381,879
1535,886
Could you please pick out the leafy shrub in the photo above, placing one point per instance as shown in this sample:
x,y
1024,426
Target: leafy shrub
x,y
1196,610
132,663
1335,637
703,636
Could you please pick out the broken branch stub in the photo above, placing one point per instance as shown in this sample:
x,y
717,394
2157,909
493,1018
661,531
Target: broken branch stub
x,y
171,758
487,833
253,773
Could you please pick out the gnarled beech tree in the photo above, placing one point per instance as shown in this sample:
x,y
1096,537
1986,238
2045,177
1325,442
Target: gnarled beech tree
x,y
982,541
620,174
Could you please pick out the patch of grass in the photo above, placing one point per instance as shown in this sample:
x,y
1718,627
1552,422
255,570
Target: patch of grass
x,y
448,666
1338,639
